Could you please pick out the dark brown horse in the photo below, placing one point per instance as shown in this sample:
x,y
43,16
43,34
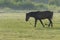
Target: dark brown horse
x,y
41,15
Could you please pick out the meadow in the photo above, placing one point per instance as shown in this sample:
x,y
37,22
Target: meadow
x,y
14,27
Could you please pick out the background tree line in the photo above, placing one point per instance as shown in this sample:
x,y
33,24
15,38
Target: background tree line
x,y
31,4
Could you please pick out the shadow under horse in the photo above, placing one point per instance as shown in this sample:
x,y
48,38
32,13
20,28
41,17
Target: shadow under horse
x,y
40,15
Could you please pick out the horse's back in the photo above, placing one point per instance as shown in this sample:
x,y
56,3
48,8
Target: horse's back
x,y
44,14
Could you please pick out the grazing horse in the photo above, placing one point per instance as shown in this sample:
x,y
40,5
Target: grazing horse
x,y
39,16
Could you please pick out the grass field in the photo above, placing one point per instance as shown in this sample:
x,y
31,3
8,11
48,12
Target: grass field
x,y
14,27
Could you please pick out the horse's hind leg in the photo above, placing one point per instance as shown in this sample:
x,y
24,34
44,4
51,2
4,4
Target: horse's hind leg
x,y
50,23
42,23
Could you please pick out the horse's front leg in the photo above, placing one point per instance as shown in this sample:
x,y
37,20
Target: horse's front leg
x,y
35,22
42,23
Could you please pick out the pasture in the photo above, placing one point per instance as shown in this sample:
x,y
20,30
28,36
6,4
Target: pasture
x,y
14,27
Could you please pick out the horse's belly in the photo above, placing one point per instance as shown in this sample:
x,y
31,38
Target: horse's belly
x,y
41,17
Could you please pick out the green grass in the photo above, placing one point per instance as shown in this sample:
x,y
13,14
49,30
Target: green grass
x,y
14,27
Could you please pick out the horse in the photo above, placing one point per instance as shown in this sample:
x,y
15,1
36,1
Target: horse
x,y
40,15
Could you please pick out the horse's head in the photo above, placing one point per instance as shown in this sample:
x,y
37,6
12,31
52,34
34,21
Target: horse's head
x,y
27,16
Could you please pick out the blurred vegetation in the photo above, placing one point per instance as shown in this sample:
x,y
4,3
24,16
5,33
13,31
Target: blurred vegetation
x,y
53,5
